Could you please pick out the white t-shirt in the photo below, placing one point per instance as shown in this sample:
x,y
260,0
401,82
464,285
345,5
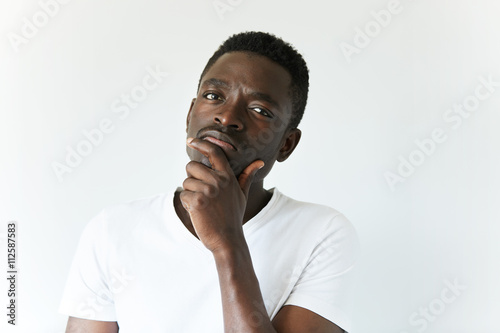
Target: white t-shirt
x,y
137,264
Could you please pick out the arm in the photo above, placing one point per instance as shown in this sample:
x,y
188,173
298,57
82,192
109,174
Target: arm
x,y
86,294
77,325
243,306
216,201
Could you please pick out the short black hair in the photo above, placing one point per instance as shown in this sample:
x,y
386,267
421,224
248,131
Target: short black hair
x,y
279,51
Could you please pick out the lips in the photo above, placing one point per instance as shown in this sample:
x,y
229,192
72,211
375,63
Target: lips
x,y
219,139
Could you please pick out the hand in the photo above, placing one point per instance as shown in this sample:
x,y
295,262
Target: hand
x,y
214,198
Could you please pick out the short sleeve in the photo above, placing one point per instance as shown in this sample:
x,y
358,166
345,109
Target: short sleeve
x,y
87,293
325,282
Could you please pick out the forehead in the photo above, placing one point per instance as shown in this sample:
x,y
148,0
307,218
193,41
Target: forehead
x,y
253,73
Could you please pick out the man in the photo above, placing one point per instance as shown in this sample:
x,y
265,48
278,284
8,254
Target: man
x,y
222,254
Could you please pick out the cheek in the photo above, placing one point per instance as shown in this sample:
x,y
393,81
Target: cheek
x,y
193,128
269,154
196,120
256,150
270,145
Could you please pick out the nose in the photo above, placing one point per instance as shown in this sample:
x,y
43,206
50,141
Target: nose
x,y
229,116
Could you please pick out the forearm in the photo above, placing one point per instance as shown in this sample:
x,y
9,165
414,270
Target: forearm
x,y
242,303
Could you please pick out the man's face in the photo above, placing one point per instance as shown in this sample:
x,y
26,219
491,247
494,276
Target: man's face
x,y
243,106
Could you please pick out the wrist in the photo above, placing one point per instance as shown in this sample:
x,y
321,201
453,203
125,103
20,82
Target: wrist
x,y
231,251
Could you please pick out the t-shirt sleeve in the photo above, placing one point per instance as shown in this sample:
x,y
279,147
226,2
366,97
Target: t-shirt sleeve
x,y
88,292
325,282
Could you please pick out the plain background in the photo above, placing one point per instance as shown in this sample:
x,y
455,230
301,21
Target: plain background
x,y
440,224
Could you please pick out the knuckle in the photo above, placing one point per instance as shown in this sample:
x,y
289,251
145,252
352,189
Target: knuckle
x,y
183,196
190,166
199,200
224,180
213,178
185,200
211,191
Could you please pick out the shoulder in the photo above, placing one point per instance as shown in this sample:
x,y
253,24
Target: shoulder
x,y
153,204
123,217
321,217
315,225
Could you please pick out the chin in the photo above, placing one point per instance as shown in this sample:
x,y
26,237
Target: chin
x,y
236,167
206,162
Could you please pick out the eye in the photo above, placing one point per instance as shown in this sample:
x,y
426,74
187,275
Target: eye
x,y
263,112
212,96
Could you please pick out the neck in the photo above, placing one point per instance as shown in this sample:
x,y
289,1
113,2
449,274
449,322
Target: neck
x,y
258,197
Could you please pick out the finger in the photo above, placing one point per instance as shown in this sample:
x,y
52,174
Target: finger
x,y
246,177
195,185
192,185
192,201
214,153
200,171
185,199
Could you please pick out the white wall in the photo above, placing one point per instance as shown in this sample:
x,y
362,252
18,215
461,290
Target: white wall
x,y
364,111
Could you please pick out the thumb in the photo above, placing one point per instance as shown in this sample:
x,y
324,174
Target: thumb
x,y
246,177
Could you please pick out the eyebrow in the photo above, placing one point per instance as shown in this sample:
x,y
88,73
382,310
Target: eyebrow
x,y
222,84
267,98
216,82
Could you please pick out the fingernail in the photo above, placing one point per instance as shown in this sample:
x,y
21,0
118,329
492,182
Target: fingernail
x,y
189,140
261,166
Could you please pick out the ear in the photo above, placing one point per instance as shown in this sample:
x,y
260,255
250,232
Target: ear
x,y
288,146
189,113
